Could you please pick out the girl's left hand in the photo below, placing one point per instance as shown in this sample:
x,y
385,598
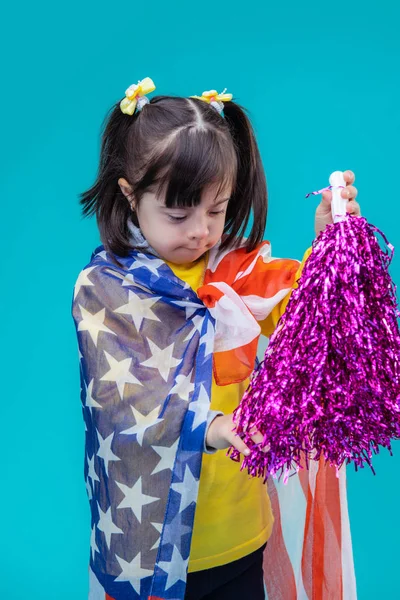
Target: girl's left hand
x,y
323,214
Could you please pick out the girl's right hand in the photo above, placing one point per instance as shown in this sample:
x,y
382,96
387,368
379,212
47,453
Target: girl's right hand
x,y
220,435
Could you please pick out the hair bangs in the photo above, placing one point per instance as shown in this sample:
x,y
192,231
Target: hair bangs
x,y
200,160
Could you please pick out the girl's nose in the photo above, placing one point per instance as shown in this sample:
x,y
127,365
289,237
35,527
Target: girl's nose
x,y
199,229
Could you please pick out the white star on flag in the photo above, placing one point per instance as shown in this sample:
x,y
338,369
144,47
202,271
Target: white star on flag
x,y
162,360
208,339
83,280
90,401
105,451
183,386
93,545
89,489
197,322
132,572
157,526
119,372
139,308
175,569
128,280
143,422
92,472
106,525
187,489
134,498
175,531
185,457
190,307
144,261
167,456
93,323
200,408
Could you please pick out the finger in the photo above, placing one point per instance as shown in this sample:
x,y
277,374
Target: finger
x,y
262,447
326,198
239,444
258,438
349,192
353,208
349,177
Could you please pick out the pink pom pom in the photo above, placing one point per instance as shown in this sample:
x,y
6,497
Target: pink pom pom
x,y
329,384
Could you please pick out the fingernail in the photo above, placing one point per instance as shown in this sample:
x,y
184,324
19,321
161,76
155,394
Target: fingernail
x,y
246,452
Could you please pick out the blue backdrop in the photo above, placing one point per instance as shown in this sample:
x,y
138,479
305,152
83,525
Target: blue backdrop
x,y
321,81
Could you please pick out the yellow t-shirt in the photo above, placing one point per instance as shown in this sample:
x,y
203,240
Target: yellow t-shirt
x,y
233,515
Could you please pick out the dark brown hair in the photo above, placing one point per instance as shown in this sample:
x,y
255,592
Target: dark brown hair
x,y
181,145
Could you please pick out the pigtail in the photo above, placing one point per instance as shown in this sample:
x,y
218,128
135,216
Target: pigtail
x,y
250,192
105,199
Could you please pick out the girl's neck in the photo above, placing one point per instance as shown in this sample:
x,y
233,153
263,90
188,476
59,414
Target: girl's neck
x,y
138,241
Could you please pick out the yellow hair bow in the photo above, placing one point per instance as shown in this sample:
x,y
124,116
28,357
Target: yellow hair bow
x,y
216,100
213,95
134,94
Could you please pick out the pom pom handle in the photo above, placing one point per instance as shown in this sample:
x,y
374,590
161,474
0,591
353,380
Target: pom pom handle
x,y
339,204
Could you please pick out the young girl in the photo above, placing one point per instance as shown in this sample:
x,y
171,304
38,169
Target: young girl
x,y
168,315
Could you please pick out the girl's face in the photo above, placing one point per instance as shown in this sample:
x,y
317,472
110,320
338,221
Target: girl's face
x,y
182,235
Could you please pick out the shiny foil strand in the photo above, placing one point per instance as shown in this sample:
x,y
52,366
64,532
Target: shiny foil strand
x,y
329,384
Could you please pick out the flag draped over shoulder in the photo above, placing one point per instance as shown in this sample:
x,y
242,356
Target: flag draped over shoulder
x,y
148,345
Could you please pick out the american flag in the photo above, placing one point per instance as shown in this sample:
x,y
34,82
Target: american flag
x,y
147,347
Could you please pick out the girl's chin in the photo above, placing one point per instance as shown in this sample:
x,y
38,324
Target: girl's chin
x,y
184,255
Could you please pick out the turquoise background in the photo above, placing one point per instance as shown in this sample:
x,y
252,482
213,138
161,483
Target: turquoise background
x,y
321,81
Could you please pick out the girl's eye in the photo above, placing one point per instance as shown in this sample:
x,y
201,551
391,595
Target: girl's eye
x,y
179,219
176,219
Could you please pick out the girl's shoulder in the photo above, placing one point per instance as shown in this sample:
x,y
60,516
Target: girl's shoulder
x,y
238,257
237,264
113,280
108,263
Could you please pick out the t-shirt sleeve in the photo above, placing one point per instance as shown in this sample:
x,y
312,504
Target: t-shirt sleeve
x,y
269,324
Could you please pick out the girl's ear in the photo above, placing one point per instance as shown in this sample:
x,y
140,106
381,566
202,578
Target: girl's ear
x,y
127,191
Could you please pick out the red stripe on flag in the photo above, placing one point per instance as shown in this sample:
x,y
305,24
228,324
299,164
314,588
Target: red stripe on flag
x,y
279,579
333,534
322,550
